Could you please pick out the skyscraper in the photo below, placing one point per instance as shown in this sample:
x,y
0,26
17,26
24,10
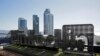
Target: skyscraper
x,y
36,24
22,25
48,23
57,34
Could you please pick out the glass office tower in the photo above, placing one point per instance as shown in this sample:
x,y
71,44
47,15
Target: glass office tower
x,y
48,23
36,24
22,25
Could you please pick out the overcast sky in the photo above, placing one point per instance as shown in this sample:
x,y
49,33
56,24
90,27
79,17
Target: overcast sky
x,y
64,11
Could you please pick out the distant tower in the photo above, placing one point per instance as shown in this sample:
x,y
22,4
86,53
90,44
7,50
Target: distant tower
x,y
48,23
57,34
36,24
22,25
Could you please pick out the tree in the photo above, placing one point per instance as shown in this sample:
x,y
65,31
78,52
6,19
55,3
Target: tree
x,y
72,44
80,45
98,43
60,53
49,39
38,39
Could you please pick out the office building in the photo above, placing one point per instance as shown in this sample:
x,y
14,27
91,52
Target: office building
x,y
78,30
57,34
48,23
22,25
36,24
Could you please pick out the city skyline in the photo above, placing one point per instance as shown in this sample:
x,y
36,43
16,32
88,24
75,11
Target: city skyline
x,y
64,11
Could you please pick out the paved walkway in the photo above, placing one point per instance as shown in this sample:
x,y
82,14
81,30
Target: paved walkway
x,y
7,53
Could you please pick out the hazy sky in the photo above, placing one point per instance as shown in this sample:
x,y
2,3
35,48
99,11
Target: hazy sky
x,y
64,11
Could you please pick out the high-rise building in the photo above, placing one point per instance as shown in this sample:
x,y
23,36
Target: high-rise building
x,y
48,23
57,34
36,24
22,25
